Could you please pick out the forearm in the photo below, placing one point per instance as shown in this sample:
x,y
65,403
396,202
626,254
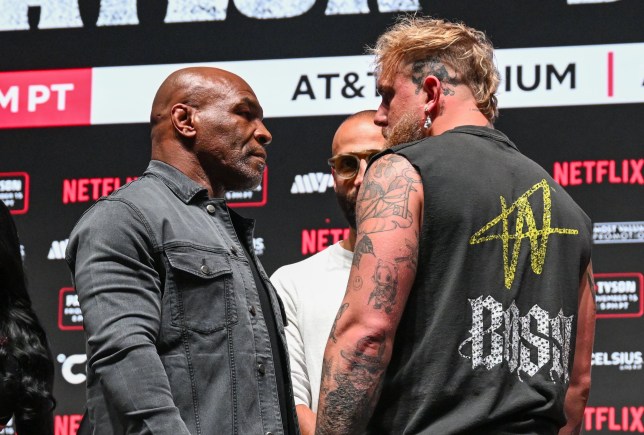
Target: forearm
x,y
579,387
352,374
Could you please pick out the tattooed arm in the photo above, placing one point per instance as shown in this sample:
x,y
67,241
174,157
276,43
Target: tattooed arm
x,y
359,349
579,386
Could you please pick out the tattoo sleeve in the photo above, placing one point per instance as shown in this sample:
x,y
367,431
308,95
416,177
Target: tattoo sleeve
x,y
341,311
356,389
384,201
388,213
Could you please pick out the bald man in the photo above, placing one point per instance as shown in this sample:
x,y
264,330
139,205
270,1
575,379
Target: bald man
x,y
184,331
312,290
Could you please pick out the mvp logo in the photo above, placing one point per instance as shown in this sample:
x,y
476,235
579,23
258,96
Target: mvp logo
x,y
313,182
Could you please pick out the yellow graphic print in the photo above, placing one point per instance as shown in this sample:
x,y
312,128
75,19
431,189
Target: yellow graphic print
x,y
525,216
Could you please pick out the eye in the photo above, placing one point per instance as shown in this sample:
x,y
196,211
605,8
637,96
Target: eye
x,y
347,164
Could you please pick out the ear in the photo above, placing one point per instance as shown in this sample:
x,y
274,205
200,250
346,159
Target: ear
x,y
182,117
433,90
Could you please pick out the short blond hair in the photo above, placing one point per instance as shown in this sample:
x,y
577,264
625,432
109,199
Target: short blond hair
x,y
467,51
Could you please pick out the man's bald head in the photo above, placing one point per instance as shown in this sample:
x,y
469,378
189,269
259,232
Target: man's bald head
x,y
190,86
356,125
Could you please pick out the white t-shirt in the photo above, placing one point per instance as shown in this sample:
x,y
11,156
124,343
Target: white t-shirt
x,y
312,291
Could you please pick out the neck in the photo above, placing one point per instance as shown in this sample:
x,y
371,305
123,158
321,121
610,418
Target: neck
x,y
350,243
445,123
190,166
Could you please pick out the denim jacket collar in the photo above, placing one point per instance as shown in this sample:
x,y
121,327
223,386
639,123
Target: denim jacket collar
x,y
179,183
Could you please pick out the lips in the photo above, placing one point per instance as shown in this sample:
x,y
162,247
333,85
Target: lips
x,y
260,153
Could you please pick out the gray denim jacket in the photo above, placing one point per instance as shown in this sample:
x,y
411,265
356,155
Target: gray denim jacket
x,y
177,342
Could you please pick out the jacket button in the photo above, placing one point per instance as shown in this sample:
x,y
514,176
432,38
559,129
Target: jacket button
x,y
261,369
252,310
205,269
210,208
233,250
268,433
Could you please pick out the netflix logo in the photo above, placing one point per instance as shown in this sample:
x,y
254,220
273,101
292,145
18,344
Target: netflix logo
x,y
575,173
45,98
90,189
67,424
316,240
614,419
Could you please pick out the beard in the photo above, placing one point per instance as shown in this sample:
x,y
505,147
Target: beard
x,y
407,129
347,203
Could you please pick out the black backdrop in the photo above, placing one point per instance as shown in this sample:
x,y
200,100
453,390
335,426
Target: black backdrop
x,y
299,215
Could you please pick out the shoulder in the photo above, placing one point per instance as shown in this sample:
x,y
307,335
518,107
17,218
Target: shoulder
x,y
303,269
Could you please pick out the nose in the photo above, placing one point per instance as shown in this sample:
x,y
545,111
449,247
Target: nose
x,y
380,119
262,135
360,175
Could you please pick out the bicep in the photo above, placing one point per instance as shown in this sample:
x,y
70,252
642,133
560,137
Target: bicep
x,y
389,214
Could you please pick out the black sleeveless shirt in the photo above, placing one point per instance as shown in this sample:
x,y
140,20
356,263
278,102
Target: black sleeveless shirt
x,y
487,338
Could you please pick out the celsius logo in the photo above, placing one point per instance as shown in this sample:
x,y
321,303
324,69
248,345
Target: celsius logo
x,y
66,14
318,240
619,294
575,173
70,317
256,197
14,189
313,182
618,232
611,418
90,189
622,360
70,371
57,250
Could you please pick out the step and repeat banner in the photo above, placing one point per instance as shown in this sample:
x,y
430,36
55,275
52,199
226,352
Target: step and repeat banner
x,y
77,80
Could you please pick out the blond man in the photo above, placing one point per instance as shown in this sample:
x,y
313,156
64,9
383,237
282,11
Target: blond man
x,y
473,312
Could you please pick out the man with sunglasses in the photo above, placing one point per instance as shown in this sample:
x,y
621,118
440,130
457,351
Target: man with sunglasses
x,y
312,289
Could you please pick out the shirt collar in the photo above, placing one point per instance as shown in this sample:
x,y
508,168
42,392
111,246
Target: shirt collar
x,y
179,183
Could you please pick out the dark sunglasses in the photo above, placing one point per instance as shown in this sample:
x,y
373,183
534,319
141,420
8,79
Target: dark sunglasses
x,y
348,165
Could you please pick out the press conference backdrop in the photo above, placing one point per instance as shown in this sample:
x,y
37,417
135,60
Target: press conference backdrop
x,y
77,79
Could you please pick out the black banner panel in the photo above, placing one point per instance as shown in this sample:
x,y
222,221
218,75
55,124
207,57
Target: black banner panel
x,y
77,80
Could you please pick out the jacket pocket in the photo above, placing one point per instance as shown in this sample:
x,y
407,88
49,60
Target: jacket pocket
x,y
203,299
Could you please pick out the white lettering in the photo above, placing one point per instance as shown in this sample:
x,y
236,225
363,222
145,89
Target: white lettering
x,y
271,9
117,13
37,94
186,11
623,286
71,300
54,14
498,335
12,185
346,7
11,97
61,89
67,365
